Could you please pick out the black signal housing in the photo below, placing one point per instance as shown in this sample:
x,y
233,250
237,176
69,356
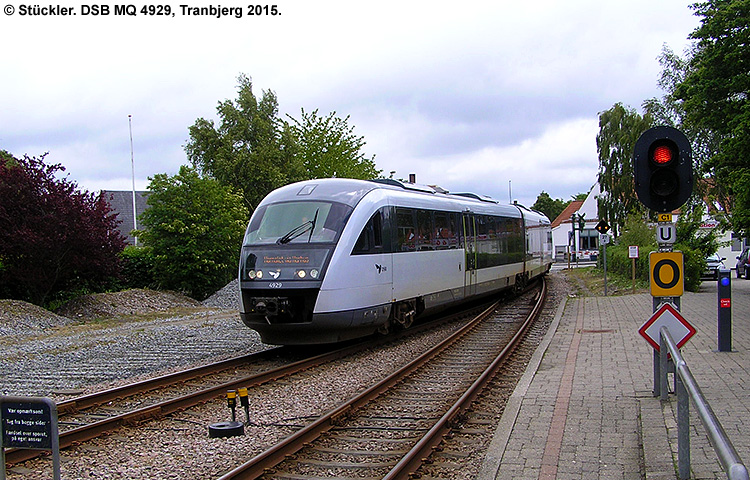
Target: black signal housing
x,y
663,167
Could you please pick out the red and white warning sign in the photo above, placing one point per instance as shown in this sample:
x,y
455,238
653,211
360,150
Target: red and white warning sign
x,y
667,316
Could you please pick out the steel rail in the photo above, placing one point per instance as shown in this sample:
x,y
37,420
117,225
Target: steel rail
x,y
96,429
411,462
271,457
105,396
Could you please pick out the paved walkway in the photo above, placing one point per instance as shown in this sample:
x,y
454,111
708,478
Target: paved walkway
x,y
585,409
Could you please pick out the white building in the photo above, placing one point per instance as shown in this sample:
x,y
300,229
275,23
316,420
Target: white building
x,y
583,244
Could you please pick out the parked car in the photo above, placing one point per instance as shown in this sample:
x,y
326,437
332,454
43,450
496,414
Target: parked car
x,y
743,265
713,264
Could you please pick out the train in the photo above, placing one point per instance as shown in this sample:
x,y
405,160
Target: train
x,y
329,260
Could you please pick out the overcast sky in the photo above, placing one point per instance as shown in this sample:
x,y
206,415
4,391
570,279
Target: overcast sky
x,y
468,95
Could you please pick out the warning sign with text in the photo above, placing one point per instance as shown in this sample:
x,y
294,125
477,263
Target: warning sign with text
x,y
26,425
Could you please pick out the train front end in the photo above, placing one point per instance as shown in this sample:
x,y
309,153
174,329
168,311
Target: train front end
x,y
286,251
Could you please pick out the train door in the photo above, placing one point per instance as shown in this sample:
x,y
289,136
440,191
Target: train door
x,y
470,246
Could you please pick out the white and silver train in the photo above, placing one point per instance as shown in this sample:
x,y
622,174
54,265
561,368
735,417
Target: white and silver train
x,y
329,260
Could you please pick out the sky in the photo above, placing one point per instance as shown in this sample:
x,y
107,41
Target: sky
x,y
498,98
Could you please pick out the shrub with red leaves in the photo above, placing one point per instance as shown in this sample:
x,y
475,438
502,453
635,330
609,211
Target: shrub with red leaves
x,y
53,237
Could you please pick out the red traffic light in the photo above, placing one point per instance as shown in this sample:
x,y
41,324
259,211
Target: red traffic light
x,y
662,155
662,168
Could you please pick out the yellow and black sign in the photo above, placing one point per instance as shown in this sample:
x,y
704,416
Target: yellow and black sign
x,y
665,217
667,278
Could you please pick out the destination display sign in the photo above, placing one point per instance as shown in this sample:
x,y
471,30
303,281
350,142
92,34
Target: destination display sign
x,y
286,259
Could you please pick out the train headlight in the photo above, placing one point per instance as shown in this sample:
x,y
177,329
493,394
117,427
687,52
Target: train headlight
x,y
259,274
314,273
252,274
301,273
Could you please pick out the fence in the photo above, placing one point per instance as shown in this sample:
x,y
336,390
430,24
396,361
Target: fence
x,y
687,389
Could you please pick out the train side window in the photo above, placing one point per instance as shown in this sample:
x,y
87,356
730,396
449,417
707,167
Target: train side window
x,y
407,231
424,230
458,240
371,238
446,233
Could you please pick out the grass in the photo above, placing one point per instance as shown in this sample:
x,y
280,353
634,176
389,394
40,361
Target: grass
x,y
589,282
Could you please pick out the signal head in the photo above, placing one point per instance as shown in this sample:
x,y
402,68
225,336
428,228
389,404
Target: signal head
x,y
662,162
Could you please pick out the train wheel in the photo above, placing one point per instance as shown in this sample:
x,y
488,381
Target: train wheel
x,y
521,281
385,328
404,314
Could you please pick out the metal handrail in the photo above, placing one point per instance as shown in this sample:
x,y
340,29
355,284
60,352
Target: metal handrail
x,y
687,389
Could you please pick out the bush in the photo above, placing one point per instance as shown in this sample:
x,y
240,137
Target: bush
x,y
53,237
137,267
694,263
637,232
194,231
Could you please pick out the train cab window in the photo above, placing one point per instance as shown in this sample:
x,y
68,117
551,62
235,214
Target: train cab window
x,y
371,238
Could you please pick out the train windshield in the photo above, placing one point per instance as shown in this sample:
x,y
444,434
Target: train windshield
x,y
297,222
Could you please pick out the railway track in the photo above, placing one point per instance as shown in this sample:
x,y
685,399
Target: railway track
x,y
90,416
388,430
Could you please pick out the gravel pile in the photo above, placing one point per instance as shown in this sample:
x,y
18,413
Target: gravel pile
x,y
17,316
228,297
128,302
108,338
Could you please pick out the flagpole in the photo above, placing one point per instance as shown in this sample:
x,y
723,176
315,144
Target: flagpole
x,y
132,168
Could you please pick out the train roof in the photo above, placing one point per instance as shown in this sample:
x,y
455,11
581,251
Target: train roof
x,y
350,192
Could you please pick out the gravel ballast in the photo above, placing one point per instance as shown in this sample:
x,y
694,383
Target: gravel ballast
x,y
75,354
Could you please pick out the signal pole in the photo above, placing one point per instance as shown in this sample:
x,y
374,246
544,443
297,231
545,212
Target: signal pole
x,y
663,171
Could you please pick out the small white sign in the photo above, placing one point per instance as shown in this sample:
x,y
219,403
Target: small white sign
x,y
633,251
666,234
603,238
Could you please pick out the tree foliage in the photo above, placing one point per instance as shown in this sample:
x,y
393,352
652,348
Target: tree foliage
x,y
328,147
53,237
670,110
549,206
619,129
194,228
715,93
254,151
250,150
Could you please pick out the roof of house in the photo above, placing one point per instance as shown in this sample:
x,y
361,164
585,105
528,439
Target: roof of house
x,y
121,202
572,208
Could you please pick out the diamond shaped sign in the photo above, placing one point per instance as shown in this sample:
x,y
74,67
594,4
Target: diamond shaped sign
x,y
667,316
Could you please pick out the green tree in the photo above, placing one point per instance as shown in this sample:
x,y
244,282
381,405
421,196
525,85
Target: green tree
x,y
194,228
255,152
328,147
549,206
251,149
670,110
715,95
619,129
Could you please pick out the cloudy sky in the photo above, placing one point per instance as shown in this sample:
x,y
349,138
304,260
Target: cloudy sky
x,y
471,95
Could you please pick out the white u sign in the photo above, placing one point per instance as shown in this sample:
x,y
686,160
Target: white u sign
x,y
666,234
